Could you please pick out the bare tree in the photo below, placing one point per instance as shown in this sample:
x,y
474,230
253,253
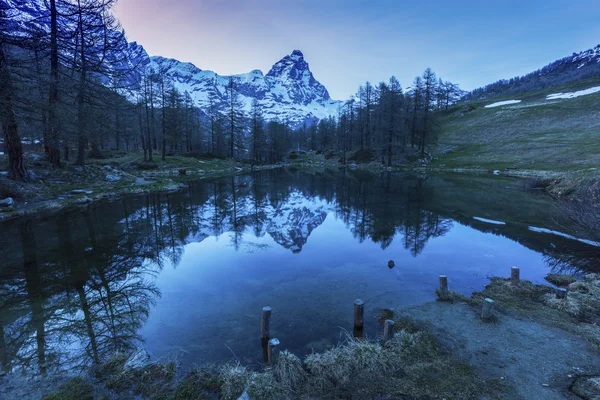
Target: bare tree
x,y
16,169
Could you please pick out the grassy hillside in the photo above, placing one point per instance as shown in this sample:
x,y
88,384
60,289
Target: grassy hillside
x,y
536,134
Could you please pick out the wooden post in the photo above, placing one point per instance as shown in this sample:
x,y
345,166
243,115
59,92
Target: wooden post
x,y
561,293
514,276
388,330
359,313
264,326
488,309
444,288
272,351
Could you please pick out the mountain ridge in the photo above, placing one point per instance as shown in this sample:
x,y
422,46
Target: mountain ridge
x,y
578,66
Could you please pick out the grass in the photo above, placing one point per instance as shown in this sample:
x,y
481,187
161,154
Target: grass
x,y
560,279
535,134
579,313
53,188
77,388
412,365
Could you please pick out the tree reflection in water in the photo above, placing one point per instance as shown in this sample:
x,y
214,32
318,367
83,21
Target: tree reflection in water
x,y
77,286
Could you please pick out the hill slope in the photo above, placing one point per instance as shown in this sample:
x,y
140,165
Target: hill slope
x,y
573,68
534,130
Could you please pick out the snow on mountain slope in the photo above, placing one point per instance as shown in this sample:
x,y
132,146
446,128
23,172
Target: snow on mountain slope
x,y
288,92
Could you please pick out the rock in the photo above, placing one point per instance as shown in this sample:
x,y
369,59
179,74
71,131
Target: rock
x,y
391,264
8,202
138,360
78,169
83,200
81,191
32,175
113,178
587,387
244,396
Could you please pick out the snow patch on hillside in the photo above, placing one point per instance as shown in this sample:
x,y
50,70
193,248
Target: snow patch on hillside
x,y
571,95
502,103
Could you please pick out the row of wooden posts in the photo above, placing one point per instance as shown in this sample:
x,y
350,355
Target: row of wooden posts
x,y
487,311
270,346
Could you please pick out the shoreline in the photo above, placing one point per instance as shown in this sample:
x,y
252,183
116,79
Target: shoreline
x,y
110,182
535,346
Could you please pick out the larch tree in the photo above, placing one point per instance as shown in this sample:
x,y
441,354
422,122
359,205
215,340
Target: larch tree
x,y
257,131
10,128
234,117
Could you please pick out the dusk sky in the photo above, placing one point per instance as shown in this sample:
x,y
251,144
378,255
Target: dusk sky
x,y
348,42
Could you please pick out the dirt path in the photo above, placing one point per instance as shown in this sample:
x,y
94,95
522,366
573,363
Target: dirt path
x,y
535,361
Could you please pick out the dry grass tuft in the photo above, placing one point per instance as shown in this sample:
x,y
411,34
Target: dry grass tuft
x,y
583,299
289,370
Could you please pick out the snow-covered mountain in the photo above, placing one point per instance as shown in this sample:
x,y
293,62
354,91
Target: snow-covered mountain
x,y
288,92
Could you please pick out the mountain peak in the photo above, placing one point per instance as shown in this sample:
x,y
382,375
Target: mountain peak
x,y
292,66
297,55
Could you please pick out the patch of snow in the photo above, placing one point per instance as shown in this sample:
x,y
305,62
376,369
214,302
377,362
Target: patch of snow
x,y
565,235
571,95
502,103
489,221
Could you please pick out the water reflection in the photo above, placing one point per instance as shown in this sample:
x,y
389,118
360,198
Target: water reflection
x,y
78,286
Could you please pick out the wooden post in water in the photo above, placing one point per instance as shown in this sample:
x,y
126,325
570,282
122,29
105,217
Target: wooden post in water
x,y
388,330
359,320
264,332
444,296
488,309
514,276
561,293
272,351
264,326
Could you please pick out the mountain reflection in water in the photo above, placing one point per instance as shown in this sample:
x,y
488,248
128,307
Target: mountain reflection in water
x,y
80,285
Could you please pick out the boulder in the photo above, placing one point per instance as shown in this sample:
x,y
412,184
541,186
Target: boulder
x,y
8,202
83,200
587,387
113,178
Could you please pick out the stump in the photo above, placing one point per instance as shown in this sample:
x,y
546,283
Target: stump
x,y
487,311
273,351
515,276
444,294
388,330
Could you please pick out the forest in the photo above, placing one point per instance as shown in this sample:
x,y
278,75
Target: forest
x,y
71,91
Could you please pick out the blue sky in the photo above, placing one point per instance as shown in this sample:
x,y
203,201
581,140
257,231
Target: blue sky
x,y
346,43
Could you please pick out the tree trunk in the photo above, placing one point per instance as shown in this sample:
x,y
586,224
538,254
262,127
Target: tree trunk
x,y
14,148
54,130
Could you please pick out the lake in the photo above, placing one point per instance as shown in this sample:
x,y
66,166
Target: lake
x,y
185,275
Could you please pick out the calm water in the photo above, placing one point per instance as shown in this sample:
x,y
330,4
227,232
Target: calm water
x,y
186,274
